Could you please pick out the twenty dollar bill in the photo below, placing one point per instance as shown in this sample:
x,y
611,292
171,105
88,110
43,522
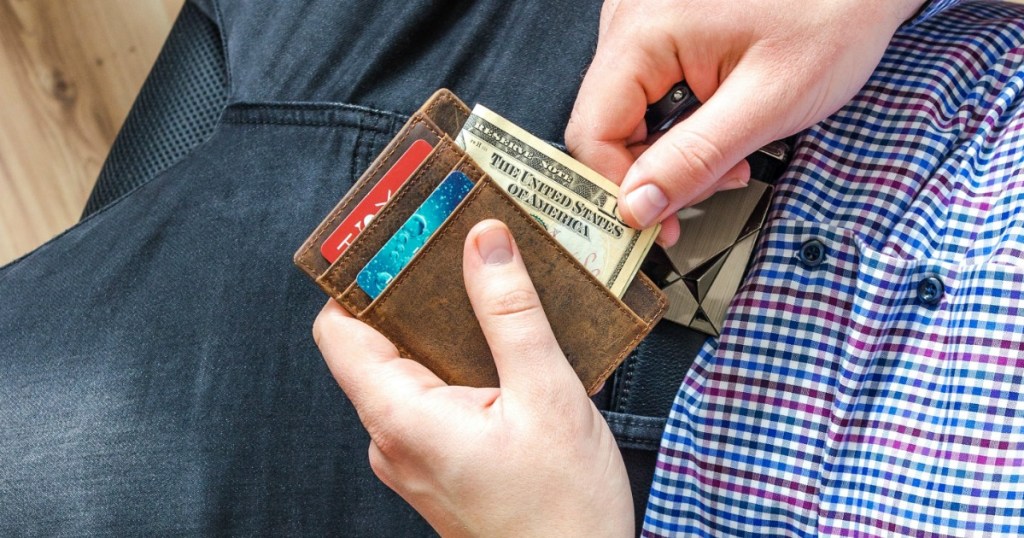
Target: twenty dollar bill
x,y
575,204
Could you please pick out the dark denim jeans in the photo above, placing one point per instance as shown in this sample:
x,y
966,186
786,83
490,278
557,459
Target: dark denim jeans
x,y
156,363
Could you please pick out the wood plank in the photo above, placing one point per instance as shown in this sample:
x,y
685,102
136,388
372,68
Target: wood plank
x,y
69,72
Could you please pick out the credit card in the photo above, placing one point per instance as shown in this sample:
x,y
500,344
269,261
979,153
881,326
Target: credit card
x,y
407,241
371,204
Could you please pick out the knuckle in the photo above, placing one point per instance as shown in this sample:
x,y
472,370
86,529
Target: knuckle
x,y
325,323
378,463
702,157
389,442
382,466
317,330
514,303
575,133
319,327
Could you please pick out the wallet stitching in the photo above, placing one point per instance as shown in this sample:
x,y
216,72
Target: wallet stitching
x,y
433,106
662,303
450,98
662,299
342,297
433,241
350,199
639,327
642,331
360,247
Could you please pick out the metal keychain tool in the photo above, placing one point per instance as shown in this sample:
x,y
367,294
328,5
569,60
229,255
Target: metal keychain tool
x,y
702,272
766,164
663,113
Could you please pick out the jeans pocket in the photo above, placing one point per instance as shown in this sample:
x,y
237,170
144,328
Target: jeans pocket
x,y
637,399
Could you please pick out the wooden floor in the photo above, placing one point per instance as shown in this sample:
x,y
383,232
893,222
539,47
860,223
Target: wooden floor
x,y
69,71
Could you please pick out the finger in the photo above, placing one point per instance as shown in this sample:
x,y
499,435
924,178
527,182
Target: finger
x,y
669,233
380,465
607,14
365,364
687,160
611,104
525,351
736,178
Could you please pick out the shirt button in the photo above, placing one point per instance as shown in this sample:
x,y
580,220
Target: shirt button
x,y
812,253
930,290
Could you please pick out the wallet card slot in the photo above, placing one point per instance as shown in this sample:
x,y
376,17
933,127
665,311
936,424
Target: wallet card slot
x,y
419,127
635,292
343,271
359,299
639,294
426,306
355,299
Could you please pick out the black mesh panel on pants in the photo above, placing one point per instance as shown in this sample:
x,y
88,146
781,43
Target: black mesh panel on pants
x,y
177,109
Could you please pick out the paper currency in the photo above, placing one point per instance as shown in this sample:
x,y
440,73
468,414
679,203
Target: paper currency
x,y
575,204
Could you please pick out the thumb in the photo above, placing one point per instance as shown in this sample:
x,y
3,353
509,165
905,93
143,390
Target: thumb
x,y
698,154
525,351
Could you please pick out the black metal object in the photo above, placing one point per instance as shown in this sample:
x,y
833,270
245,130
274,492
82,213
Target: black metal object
x,y
766,164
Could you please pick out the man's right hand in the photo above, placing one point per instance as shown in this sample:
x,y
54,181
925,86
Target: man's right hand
x,y
763,69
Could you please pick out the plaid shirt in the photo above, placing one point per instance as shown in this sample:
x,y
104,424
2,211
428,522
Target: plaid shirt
x,y
868,381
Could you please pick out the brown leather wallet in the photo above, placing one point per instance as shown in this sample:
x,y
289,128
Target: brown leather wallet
x,y
425,311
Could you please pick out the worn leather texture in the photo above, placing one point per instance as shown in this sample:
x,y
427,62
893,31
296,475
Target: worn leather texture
x,y
425,311
342,275
308,256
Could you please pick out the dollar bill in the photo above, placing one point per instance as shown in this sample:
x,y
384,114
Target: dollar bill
x,y
575,204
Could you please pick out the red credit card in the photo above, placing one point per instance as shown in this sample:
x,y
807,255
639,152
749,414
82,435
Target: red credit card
x,y
360,217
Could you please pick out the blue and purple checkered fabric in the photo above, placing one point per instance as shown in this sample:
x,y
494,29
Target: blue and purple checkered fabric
x,y
878,393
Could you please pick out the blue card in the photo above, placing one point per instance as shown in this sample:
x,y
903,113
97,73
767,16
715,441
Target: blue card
x,y
407,241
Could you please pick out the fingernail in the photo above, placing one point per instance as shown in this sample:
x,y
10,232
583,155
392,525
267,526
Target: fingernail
x,y
734,183
494,246
646,203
